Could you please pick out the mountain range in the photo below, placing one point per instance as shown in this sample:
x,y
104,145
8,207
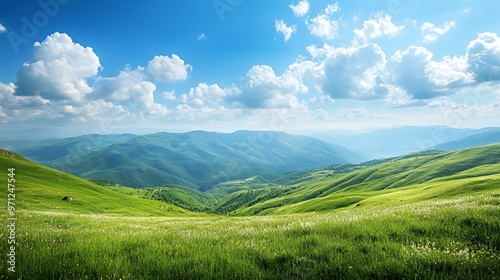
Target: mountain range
x,y
391,142
196,159
201,160
394,181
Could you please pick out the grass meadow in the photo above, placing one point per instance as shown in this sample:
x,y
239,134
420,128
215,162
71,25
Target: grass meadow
x,y
455,238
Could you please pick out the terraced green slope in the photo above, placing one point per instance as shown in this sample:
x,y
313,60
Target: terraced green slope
x,y
39,188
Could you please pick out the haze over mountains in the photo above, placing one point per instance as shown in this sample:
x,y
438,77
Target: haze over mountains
x,y
391,142
196,159
201,160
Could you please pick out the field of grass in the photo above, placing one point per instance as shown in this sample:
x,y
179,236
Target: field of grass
x,y
442,239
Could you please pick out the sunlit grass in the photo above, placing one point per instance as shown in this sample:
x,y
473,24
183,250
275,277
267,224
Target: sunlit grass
x,y
455,238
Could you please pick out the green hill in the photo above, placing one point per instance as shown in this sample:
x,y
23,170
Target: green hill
x,y
39,188
414,177
200,160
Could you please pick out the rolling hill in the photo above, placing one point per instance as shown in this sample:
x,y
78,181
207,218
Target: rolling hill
x,y
197,159
414,177
39,188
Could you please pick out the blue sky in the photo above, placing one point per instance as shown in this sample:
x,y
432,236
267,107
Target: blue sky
x,y
223,65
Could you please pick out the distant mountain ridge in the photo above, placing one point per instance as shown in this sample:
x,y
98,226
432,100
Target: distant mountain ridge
x,y
196,159
491,136
392,142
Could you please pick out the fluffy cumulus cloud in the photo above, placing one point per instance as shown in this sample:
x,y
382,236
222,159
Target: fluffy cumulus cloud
x,y
15,108
166,69
286,30
131,90
351,73
431,32
450,72
410,72
380,25
2,28
300,9
58,69
411,77
204,94
483,57
54,84
323,25
417,76
265,89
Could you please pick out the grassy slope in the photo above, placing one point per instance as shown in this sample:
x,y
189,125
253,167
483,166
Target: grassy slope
x,y
40,188
409,176
443,239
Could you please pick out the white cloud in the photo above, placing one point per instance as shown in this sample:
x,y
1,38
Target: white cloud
x,y
202,37
264,89
354,72
483,57
169,95
131,90
2,28
58,69
95,111
323,26
415,73
300,9
166,69
432,32
286,30
380,25
409,72
450,71
9,101
417,79
204,94
332,8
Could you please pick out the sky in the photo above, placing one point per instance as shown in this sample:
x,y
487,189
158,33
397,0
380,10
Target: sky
x,y
72,67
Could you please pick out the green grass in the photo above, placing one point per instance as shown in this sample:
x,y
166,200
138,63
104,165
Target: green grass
x,y
442,239
39,188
